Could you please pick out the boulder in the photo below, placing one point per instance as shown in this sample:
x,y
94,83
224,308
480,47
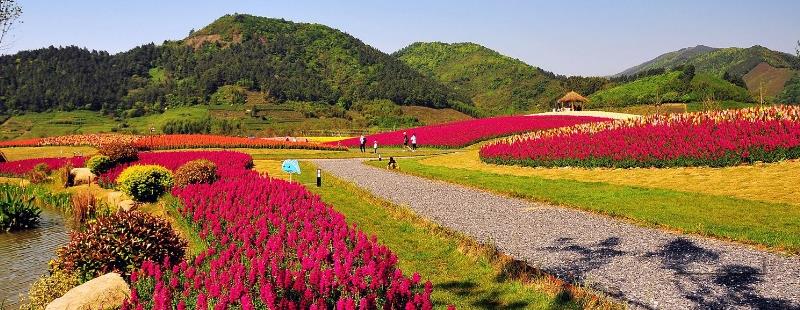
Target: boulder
x,y
82,176
104,292
127,205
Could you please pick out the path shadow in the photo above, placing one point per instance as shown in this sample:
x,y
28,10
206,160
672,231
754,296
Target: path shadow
x,y
728,286
589,256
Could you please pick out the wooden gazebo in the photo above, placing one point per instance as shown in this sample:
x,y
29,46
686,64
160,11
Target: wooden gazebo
x,y
571,98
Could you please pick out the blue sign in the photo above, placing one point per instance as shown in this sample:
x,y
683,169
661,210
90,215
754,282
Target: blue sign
x,y
291,166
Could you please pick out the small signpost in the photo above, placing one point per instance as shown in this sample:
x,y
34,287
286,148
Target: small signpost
x,y
319,177
290,166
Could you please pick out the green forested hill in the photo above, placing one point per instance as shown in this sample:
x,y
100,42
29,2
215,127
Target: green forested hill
x,y
680,85
734,61
497,84
283,60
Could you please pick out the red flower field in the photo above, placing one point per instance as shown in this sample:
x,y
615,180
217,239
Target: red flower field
x,y
696,139
463,133
272,245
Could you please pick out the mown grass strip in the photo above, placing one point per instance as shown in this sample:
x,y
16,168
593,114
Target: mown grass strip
x,y
464,273
772,225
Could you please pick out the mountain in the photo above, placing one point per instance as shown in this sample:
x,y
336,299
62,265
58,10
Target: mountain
x,y
752,67
283,61
495,83
669,60
679,85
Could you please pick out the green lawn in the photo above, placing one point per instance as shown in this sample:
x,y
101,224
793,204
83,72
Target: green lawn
x,y
468,281
776,226
33,125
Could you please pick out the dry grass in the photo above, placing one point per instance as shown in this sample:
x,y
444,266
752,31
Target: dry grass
x,y
323,139
20,153
774,182
429,116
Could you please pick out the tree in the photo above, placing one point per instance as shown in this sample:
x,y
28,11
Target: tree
x,y
10,12
797,49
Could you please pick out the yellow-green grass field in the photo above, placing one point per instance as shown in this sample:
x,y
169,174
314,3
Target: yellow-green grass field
x,y
773,182
670,202
464,273
20,153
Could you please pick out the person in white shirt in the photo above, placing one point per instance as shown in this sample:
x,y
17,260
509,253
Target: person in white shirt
x,y
375,146
362,143
413,142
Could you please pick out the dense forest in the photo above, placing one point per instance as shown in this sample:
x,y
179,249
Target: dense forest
x,y
280,59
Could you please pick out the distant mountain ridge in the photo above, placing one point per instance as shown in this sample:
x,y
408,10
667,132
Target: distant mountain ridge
x,y
733,60
669,60
496,84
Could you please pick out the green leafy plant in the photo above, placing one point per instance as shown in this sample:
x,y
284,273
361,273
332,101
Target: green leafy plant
x,y
99,164
145,183
119,152
18,209
120,243
196,171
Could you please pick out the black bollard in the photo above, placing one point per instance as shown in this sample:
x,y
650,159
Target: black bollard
x,y
319,178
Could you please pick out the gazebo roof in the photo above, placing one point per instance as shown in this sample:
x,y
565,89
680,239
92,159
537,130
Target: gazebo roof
x,y
573,97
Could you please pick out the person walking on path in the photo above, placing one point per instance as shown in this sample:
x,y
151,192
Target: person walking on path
x,y
405,141
413,142
363,143
375,146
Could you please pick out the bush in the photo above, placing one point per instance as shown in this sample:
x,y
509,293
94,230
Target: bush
x,y
196,171
48,288
144,182
38,174
120,243
119,152
18,209
99,164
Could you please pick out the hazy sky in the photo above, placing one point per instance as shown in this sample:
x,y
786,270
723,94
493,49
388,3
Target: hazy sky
x,y
566,37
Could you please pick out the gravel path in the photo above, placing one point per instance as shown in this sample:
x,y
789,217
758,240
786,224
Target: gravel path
x,y
647,268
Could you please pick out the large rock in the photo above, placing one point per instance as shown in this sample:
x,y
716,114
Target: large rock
x,y
82,176
104,292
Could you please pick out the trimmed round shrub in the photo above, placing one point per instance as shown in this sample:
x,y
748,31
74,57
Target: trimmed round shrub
x,y
119,152
145,183
196,171
120,242
99,164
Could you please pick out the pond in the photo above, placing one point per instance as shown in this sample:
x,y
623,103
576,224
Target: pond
x,y
24,255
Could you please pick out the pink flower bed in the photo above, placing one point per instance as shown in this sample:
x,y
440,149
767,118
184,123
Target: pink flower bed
x,y
721,138
229,164
463,133
273,245
19,168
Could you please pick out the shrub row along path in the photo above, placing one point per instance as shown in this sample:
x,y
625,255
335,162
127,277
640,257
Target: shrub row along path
x,y
645,267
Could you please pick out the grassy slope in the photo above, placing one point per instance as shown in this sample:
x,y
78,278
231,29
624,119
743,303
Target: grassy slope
x,y
645,91
463,274
776,226
496,83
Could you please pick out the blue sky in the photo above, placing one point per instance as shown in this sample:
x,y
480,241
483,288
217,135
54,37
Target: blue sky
x,y
566,37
